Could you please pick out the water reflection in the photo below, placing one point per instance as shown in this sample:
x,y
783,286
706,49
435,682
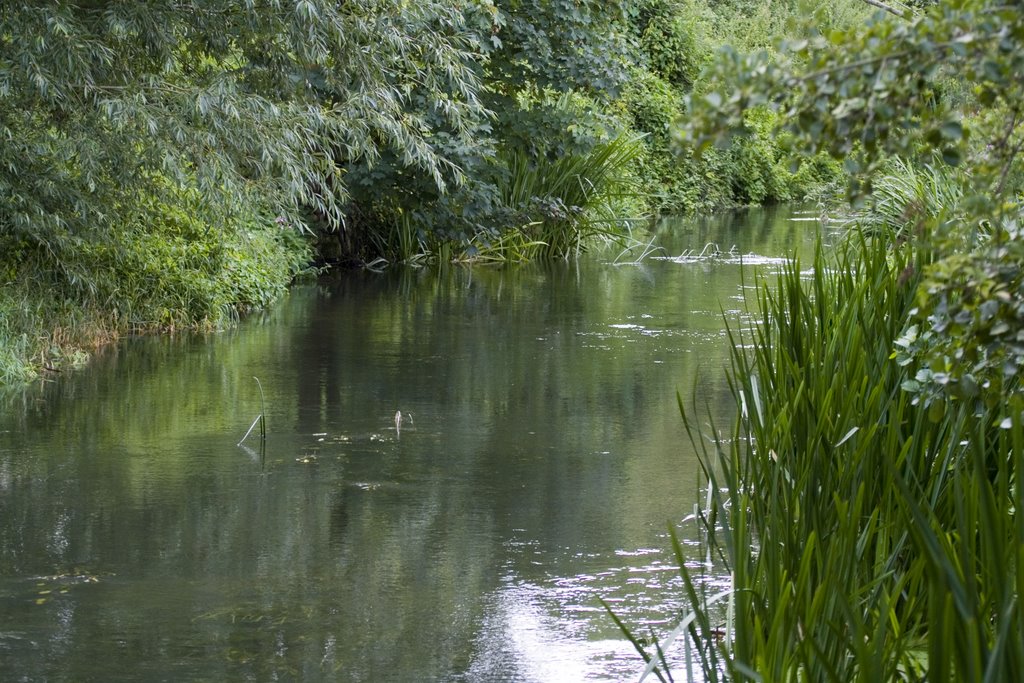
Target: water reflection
x,y
544,458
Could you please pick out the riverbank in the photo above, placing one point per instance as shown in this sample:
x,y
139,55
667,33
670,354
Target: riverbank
x,y
505,131
180,275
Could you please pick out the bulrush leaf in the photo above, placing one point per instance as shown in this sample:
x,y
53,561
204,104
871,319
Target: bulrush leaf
x,y
860,530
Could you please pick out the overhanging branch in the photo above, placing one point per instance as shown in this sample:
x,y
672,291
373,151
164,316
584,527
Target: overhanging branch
x,y
888,8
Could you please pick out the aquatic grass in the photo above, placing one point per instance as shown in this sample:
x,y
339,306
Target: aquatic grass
x,y
867,537
515,246
574,197
906,196
403,244
710,252
693,623
645,248
640,645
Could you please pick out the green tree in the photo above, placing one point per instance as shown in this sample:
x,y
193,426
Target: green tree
x,y
257,101
943,84
563,45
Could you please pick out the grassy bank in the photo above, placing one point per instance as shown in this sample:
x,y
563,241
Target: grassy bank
x,y
58,303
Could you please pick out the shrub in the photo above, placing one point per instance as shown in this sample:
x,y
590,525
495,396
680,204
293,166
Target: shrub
x,y
755,162
178,272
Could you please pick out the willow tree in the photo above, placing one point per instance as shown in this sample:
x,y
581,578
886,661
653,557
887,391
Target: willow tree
x,y
106,105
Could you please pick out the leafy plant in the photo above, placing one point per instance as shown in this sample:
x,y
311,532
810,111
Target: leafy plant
x,y
866,537
571,198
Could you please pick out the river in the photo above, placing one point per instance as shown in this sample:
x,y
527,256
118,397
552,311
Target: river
x,y
538,461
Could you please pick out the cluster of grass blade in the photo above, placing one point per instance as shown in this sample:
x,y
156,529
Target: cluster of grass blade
x,y
906,196
511,247
867,538
574,197
409,249
403,244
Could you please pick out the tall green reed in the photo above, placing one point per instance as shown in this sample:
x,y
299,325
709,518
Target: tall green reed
x,y
574,197
907,197
868,538
401,243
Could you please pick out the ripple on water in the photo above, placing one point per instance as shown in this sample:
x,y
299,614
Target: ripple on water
x,y
558,630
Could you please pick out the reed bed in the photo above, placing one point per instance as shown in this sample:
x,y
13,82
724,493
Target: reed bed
x,y
572,198
868,537
907,197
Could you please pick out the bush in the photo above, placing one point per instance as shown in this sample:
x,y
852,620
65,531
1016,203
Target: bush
x,y
756,165
178,272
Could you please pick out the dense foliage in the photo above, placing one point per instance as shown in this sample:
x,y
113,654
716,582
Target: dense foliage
x,y
941,87
98,98
566,78
150,148
385,131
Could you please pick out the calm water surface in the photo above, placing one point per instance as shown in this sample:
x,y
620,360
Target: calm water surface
x,y
539,463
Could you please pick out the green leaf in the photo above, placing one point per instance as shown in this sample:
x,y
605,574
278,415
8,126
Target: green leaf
x,y
952,130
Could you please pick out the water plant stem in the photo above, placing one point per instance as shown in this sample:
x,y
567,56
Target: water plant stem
x,y
261,418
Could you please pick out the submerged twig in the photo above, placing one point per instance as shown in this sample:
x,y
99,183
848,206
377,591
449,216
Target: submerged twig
x,y
263,410
400,417
249,431
261,418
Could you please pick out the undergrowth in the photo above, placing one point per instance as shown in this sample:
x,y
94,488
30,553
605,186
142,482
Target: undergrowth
x,y
58,305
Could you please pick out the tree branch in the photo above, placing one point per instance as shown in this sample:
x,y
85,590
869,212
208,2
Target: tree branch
x,y
1014,151
888,8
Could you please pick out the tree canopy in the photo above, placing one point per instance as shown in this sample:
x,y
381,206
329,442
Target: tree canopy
x,y
256,101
